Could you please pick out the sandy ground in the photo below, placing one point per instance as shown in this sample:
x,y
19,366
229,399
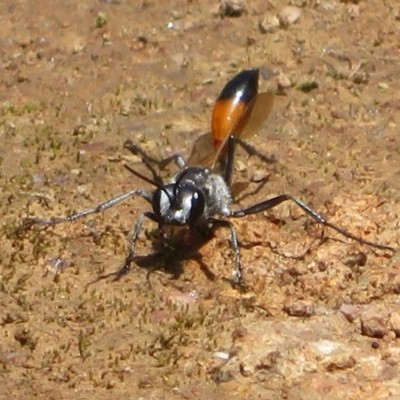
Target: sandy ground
x,y
321,318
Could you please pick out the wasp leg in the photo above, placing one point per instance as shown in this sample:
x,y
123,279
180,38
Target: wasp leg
x,y
266,205
148,160
232,142
98,209
129,258
235,246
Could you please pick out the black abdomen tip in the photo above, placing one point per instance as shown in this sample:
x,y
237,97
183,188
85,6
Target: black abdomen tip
x,y
245,83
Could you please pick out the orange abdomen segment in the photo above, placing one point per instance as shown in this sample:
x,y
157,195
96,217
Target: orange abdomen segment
x,y
234,105
229,118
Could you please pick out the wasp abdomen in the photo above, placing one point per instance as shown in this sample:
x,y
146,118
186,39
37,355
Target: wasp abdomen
x,y
234,105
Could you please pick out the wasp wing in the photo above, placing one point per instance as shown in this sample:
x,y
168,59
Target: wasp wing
x,y
203,152
261,111
239,111
248,124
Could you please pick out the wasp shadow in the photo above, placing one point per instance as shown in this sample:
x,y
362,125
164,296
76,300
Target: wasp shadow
x,y
168,256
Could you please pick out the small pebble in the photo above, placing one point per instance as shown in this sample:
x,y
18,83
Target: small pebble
x,y
232,8
300,308
283,82
350,312
269,24
383,85
341,363
289,16
394,323
374,323
353,10
246,369
259,176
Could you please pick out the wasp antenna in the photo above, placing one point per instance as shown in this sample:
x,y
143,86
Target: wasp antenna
x,y
148,180
248,53
143,177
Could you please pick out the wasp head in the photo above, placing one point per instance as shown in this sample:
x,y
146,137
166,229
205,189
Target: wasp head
x,y
179,204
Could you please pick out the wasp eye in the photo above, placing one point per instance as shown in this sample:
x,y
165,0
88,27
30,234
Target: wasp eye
x,y
156,203
198,205
161,201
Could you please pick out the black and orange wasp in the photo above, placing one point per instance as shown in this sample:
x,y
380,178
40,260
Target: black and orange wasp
x,y
198,197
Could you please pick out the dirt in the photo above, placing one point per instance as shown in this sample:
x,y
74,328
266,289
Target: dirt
x,y
320,318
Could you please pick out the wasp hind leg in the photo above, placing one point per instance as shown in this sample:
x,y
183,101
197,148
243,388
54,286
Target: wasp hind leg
x,y
234,141
150,161
268,204
235,246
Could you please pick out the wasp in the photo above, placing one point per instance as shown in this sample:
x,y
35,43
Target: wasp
x,y
198,197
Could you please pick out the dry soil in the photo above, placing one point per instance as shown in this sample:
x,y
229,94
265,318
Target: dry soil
x,y
321,317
